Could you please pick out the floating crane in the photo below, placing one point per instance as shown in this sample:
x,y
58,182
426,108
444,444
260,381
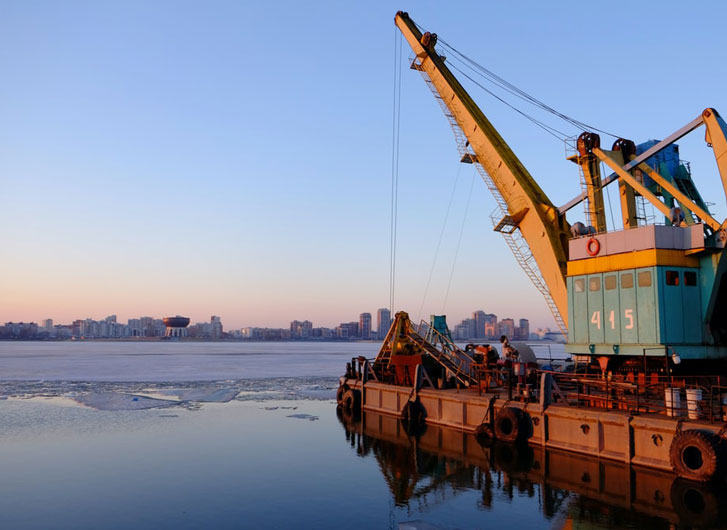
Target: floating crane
x,y
642,295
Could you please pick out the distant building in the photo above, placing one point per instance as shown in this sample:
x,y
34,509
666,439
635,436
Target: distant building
x,y
507,327
524,329
176,327
492,330
383,322
347,330
301,330
216,325
480,320
364,325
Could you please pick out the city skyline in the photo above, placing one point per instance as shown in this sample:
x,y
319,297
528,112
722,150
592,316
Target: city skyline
x,y
170,158
481,325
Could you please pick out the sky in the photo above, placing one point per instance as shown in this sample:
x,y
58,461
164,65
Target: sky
x,y
234,158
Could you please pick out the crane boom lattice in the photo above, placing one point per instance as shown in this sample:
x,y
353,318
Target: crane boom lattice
x,y
501,216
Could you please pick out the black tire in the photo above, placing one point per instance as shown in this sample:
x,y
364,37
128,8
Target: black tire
x,y
485,435
695,504
484,430
351,400
339,394
513,458
413,413
512,425
695,455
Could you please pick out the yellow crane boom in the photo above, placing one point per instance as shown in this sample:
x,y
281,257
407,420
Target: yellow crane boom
x,y
543,253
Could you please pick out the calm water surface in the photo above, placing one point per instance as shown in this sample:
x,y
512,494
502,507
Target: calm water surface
x,y
84,451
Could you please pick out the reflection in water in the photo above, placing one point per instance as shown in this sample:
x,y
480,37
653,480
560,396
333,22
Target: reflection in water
x,y
573,491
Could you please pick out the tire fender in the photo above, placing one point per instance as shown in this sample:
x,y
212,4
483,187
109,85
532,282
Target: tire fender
x,y
695,455
351,400
512,425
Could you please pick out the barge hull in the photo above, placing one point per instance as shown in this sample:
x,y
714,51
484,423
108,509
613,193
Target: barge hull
x,y
641,440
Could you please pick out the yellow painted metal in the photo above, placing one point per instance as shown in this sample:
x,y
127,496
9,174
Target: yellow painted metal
x,y
628,205
592,174
716,137
632,260
626,197
685,201
543,227
631,181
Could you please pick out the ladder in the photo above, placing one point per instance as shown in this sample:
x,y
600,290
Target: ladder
x,y
513,237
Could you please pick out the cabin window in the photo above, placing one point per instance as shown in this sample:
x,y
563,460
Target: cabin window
x,y
645,279
627,280
594,284
580,285
610,282
690,278
672,277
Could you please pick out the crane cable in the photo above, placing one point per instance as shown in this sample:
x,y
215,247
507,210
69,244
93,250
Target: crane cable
x,y
547,128
439,243
396,119
459,242
515,91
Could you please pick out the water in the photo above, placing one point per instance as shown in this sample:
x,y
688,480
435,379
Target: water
x,y
175,361
261,446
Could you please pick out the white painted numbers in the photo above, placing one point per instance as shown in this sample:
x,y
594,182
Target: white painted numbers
x,y
628,318
629,315
596,319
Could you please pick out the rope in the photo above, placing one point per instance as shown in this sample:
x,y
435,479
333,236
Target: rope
x,y
396,119
459,241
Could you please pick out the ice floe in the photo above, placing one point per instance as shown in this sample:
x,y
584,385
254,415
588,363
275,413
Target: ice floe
x,y
308,417
113,395
120,401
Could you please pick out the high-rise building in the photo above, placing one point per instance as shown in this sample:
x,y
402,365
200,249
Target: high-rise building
x,y
507,327
524,329
301,330
492,330
383,322
48,324
364,325
480,321
216,325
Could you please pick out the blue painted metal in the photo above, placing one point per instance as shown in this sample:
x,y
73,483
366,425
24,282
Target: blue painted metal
x,y
626,311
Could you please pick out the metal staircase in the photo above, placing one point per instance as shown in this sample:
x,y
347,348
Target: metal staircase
x,y
402,331
501,217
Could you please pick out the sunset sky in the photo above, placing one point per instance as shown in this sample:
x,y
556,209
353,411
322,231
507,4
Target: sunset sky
x,y
234,158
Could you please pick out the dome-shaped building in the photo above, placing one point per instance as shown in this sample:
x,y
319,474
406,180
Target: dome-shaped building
x,y
176,327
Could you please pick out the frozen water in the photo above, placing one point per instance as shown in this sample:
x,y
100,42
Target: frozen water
x,y
308,417
143,375
120,401
175,361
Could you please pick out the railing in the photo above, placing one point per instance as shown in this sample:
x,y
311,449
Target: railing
x,y
457,357
687,397
690,397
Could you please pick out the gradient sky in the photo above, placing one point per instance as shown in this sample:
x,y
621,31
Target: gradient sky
x,y
234,158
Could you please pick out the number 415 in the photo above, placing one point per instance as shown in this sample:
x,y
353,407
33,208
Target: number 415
x,y
628,318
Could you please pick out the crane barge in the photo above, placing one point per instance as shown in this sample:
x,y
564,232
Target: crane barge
x,y
644,305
